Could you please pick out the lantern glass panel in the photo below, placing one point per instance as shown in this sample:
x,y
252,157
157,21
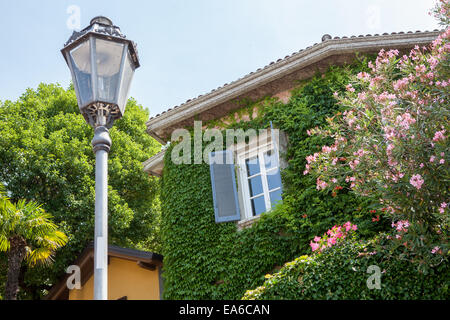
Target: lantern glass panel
x,y
80,59
108,59
128,72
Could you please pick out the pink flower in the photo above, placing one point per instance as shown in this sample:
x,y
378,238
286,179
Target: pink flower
x,y
392,162
442,161
327,149
350,88
390,133
362,96
401,225
432,158
363,75
359,153
439,135
314,246
317,239
400,84
405,120
417,181
347,225
435,249
321,184
389,148
353,163
312,158
331,241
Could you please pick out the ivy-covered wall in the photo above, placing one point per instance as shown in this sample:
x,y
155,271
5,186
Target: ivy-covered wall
x,y
205,260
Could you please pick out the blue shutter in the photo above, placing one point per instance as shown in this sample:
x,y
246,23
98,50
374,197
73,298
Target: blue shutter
x,y
223,181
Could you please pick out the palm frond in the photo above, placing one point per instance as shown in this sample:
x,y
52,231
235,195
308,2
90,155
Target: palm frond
x,y
52,240
30,221
41,256
4,243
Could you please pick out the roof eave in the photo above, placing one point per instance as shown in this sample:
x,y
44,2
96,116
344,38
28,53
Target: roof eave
x,y
154,165
283,67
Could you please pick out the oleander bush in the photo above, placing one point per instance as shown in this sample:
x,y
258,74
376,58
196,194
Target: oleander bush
x,y
391,142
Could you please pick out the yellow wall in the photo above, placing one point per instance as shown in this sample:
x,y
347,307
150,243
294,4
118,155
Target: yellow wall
x,y
125,278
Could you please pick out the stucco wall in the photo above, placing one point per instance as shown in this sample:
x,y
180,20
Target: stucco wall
x,y
125,278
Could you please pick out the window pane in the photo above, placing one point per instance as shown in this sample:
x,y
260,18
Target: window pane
x,y
273,179
81,63
258,205
252,166
275,196
255,185
127,76
108,58
270,159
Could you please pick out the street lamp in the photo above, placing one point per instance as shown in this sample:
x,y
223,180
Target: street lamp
x,y
102,62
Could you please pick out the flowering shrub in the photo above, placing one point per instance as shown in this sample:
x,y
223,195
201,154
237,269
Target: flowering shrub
x,y
442,12
333,236
341,272
392,142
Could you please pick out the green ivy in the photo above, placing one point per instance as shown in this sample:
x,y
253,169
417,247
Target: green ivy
x,y
205,260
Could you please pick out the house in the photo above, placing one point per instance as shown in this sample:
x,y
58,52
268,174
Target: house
x,y
220,234
132,275
277,80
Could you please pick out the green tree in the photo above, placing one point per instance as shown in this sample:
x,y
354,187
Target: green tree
x,y
46,156
26,233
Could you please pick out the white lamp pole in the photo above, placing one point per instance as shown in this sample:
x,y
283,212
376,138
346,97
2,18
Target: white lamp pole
x,y
101,145
102,62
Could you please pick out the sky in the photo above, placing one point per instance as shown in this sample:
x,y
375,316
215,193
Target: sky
x,y
187,47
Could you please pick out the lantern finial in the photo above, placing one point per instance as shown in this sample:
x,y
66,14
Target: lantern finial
x,y
101,20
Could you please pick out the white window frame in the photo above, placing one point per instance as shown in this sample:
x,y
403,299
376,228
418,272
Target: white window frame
x,y
242,154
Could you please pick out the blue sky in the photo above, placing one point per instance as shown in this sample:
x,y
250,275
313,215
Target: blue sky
x,y
188,47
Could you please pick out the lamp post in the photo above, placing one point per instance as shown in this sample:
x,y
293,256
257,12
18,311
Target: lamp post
x,y
102,62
